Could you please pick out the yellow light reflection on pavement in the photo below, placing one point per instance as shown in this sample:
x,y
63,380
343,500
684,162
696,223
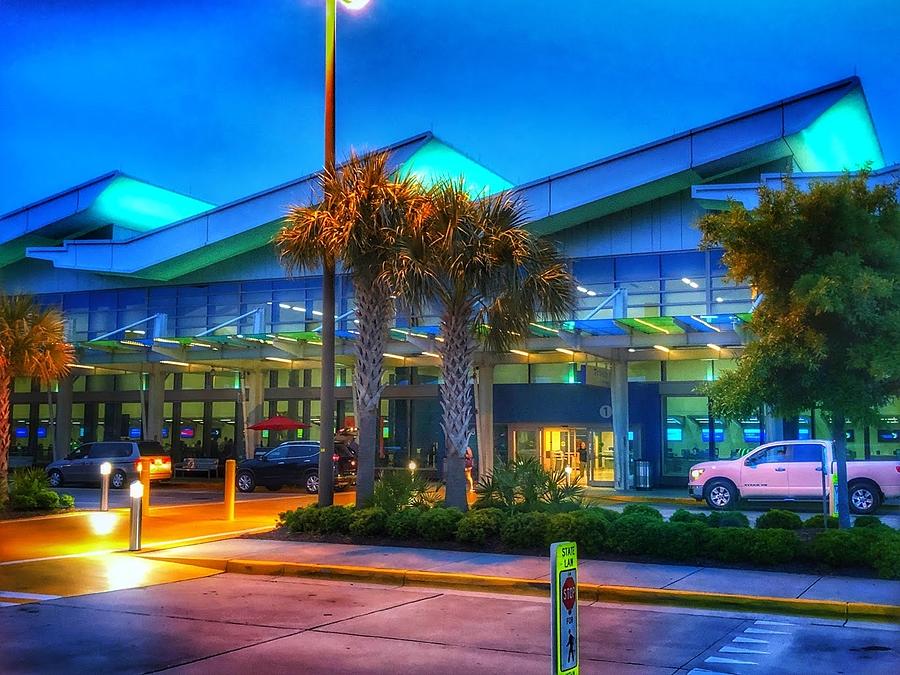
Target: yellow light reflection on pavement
x,y
103,523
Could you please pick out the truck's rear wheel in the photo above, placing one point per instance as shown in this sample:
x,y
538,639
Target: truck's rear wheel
x,y
865,497
721,495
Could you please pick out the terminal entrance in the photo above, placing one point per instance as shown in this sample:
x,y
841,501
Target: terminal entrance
x,y
587,451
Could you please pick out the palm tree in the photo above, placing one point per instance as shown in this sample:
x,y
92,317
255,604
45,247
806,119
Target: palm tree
x,y
363,205
490,278
32,344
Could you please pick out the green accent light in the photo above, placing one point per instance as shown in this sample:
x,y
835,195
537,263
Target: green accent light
x,y
140,206
653,325
843,137
435,162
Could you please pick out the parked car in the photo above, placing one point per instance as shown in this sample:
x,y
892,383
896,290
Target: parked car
x,y
83,465
295,463
792,471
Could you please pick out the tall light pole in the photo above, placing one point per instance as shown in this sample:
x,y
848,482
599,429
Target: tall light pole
x,y
326,402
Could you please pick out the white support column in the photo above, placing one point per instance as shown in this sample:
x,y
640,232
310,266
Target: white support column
x,y
254,385
619,395
156,395
63,417
484,418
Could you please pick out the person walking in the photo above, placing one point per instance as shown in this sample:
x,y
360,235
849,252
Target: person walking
x,y
470,464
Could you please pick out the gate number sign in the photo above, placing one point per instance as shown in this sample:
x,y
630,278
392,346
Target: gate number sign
x,y
564,607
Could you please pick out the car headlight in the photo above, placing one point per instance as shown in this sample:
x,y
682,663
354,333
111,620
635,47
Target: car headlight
x,y
696,473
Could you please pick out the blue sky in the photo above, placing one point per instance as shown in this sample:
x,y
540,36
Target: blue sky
x,y
223,98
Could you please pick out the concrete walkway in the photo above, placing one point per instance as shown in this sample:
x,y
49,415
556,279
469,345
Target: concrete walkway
x,y
641,575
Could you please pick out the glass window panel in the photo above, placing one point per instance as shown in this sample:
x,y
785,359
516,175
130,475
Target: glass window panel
x,y
685,423
688,371
644,371
590,271
630,268
677,265
511,373
193,381
551,373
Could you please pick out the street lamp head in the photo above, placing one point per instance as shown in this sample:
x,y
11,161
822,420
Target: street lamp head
x,y
105,469
136,490
354,5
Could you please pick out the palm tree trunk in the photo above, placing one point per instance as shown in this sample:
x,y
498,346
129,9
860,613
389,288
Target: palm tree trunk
x,y
456,398
374,311
839,438
5,412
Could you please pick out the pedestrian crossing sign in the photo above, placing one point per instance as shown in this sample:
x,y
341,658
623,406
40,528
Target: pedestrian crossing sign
x,y
564,607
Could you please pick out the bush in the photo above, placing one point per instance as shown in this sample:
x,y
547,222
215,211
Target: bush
x,y
727,544
685,516
303,519
772,546
525,530
818,522
643,511
607,514
369,522
29,489
439,524
586,527
632,534
397,490
867,521
727,519
676,541
886,559
778,519
335,519
477,526
851,548
404,524
524,485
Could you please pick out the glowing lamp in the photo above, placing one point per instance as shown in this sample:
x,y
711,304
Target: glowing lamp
x,y
136,490
354,5
105,469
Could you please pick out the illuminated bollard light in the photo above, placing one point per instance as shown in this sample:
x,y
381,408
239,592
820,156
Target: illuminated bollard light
x,y
137,492
105,470
568,474
412,466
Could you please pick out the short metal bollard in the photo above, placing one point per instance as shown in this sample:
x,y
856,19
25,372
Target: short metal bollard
x,y
230,470
145,480
137,493
105,470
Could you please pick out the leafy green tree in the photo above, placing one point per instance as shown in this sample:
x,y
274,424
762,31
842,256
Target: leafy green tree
x,y
32,344
363,206
826,332
489,278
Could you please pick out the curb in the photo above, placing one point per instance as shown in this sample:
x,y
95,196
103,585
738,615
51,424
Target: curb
x,y
538,587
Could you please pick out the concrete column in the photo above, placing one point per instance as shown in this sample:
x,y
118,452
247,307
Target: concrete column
x,y
619,396
774,425
484,418
156,395
254,397
63,417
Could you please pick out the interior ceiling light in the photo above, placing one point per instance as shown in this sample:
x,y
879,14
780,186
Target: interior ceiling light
x,y
176,363
720,299
277,359
519,352
632,350
581,289
565,351
592,293
713,347
432,354
661,348
394,356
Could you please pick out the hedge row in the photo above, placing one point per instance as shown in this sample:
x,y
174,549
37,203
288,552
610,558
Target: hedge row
x,y
639,530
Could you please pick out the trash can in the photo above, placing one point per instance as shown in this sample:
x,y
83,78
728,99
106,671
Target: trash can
x,y
642,474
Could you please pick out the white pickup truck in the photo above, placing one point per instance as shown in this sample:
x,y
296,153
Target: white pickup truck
x,y
791,471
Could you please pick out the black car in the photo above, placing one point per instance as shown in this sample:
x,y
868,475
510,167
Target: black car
x,y
295,463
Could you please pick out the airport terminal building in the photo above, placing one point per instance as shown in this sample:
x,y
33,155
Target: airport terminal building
x,y
188,330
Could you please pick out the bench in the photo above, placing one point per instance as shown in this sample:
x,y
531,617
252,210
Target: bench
x,y
207,465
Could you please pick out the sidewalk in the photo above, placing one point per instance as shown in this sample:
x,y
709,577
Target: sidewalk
x,y
313,559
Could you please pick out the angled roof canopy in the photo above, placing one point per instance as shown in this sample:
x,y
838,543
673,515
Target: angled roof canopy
x,y
246,224
827,129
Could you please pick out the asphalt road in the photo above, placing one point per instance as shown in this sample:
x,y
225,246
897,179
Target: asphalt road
x,y
234,623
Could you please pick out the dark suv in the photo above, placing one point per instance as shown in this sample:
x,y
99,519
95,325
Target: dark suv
x,y
295,463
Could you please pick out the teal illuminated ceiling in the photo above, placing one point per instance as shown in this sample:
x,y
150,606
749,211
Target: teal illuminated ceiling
x,y
435,162
841,138
141,206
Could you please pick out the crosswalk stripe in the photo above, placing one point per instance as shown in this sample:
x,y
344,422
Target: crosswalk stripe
x,y
719,659
728,649
763,631
28,596
703,671
740,638
773,623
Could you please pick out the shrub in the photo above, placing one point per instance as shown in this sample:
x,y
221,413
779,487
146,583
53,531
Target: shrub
x,y
851,548
523,484
818,522
772,546
607,514
29,489
525,530
23,502
369,522
586,527
685,516
404,524
335,519
676,541
306,519
727,544
778,519
396,490
47,499
727,519
886,559
643,511
66,501
477,526
867,521
439,524
632,533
